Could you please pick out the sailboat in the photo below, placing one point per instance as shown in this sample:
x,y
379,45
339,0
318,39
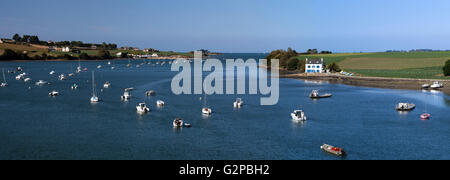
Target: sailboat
x,y
94,97
205,109
129,63
79,67
4,84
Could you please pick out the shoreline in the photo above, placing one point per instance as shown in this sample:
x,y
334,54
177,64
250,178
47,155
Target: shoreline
x,y
374,82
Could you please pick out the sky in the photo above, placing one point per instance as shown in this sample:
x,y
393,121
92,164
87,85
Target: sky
x,y
236,25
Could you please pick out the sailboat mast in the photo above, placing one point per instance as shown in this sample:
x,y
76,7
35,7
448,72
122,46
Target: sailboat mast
x,y
93,84
4,79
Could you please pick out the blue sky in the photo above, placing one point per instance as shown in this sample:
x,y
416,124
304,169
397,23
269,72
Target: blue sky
x,y
236,25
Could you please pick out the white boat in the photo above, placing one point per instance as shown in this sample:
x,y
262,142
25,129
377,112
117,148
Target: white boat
x,y
71,74
405,107
4,83
205,109
129,89
142,108
112,68
99,66
160,103
150,93
109,62
426,86
238,103
178,123
53,93
315,95
19,77
52,72
27,79
74,86
436,85
126,96
94,97
78,69
129,63
298,115
62,77
19,69
107,84
41,82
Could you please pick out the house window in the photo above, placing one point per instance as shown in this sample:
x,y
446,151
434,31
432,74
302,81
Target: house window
x,y
309,66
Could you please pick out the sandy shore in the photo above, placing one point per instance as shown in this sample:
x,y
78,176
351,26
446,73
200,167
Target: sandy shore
x,y
377,82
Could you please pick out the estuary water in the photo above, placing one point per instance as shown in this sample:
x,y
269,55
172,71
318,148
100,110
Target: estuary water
x,y
361,120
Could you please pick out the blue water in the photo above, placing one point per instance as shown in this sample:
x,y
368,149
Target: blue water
x,y
361,120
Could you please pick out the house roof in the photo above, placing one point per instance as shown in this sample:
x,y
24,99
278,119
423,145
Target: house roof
x,y
314,61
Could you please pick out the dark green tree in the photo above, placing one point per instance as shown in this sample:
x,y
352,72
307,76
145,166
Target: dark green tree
x,y
333,67
17,38
447,68
292,64
84,56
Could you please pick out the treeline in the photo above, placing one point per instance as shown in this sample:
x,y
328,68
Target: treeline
x,y
291,60
9,55
35,40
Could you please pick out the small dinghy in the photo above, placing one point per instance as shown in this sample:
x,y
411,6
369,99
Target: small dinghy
x,y
142,108
74,86
178,123
19,69
405,107
53,93
187,125
62,77
436,85
298,115
112,68
150,93
19,77
426,86
94,98
41,82
52,72
238,103
107,84
129,89
206,111
27,80
315,95
333,150
160,103
99,66
71,74
425,116
85,69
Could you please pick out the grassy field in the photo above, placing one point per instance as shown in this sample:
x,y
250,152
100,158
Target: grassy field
x,y
420,65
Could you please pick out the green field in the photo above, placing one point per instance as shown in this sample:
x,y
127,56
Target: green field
x,y
419,65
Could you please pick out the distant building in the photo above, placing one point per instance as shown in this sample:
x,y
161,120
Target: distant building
x,y
65,49
93,47
314,65
7,41
136,49
154,55
52,48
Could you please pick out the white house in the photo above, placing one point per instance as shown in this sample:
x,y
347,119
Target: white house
x,y
154,55
65,49
314,65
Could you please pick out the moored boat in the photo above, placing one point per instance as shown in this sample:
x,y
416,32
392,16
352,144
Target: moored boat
x,y
53,93
142,108
41,82
333,150
74,86
315,95
405,107
436,85
4,83
160,103
107,84
425,116
126,96
178,123
238,103
298,115
150,93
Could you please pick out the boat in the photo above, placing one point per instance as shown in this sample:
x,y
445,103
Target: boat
x,y
150,93
107,84
27,79
94,97
298,115
19,69
206,111
425,116
160,103
126,96
178,123
109,62
142,108
52,72
129,89
112,68
426,86
315,95
99,66
71,74
62,77
85,69
238,103
436,85
74,86
4,83
19,77
333,150
11,72
405,107
41,82
187,125
129,63
53,93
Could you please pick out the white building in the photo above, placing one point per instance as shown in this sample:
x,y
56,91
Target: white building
x,y
314,65
154,55
65,49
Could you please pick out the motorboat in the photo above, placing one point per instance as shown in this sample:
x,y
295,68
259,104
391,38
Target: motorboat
x,y
109,62
74,86
405,107
19,77
178,123
41,82
53,93
27,80
126,96
315,95
238,103
99,66
160,103
78,69
4,83
62,77
52,72
94,97
333,150
19,69
71,74
150,93
85,69
142,108
426,86
107,84
298,115
129,89
206,111
436,85
425,116
112,68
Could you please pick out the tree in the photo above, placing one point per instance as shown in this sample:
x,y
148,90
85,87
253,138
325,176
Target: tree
x,y
17,38
84,56
312,51
25,38
292,64
447,68
104,54
333,67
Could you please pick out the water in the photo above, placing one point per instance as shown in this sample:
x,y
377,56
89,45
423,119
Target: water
x,y
362,120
